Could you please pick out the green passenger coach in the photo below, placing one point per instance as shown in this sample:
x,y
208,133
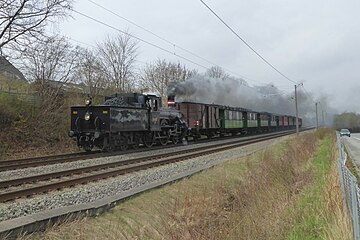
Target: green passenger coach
x,y
233,119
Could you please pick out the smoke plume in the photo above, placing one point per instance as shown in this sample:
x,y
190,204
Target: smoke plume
x,y
235,92
231,92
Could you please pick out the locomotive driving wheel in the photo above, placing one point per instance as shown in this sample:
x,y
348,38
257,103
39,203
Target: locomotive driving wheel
x,y
136,142
175,140
163,140
164,134
148,140
123,143
88,147
123,147
105,146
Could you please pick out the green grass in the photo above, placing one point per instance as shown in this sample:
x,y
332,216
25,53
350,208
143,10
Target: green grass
x,y
308,212
290,191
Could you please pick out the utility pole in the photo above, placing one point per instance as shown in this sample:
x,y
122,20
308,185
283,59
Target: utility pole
x,y
296,109
317,120
323,119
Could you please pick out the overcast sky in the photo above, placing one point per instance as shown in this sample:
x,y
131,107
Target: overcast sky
x,y
314,42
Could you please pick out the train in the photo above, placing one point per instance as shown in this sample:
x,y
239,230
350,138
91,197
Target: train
x,y
128,120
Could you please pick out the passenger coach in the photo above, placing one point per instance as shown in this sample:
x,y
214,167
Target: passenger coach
x,y
212,119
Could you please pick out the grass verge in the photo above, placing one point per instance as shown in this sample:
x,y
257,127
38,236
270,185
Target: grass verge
x,y
316,214
353,169
287,192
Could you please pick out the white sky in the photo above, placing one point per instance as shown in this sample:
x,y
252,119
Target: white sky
x,y
315,42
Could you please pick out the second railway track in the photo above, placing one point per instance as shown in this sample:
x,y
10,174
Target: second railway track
x,y
28,186
16,164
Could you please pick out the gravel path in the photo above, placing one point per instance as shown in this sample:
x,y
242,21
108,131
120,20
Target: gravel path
x,y
108,187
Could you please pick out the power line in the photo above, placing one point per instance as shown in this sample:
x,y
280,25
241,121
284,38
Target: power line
x,y
169,42
87,44
307,93
91,45
315,102
138,38
248,45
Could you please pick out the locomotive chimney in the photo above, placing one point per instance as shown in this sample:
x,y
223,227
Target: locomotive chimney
x,y
171,101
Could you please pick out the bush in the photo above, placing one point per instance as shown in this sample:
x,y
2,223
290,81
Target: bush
x,y
3,149
13,107
31,126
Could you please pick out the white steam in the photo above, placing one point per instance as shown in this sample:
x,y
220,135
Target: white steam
x,y
232,92
237,93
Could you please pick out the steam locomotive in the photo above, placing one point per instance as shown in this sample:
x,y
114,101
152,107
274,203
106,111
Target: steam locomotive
x,y
130,119
125,120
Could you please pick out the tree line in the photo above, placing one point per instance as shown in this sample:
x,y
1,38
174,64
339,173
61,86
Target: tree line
x,y
348,120
50,62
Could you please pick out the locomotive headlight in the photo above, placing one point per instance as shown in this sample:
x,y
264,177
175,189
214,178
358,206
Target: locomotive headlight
x,y
87,101
87,116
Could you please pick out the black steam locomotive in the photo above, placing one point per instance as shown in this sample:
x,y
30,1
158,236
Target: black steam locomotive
x,y
130,119
125,120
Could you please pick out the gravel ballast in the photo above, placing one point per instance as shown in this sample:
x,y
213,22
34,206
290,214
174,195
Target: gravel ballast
x,y
109,187
28,172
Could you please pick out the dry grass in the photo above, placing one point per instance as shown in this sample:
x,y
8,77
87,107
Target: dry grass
x,y
254,208
352,167
28,130
339,223
252,198
317,214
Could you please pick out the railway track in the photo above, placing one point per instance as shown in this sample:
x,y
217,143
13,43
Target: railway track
x,y
28,186
16,164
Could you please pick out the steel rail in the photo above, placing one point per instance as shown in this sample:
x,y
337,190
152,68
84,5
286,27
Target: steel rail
x,y
15,164
130,167
48,160
52,175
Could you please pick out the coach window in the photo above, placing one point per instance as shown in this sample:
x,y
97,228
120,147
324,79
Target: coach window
x,y
253,117
226,114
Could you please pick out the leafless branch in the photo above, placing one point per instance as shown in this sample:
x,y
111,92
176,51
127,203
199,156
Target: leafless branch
x,y
23,20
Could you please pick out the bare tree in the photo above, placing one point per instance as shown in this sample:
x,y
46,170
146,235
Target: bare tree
x,y
216,72
156,76
118,55
23,21
91,73
50,65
